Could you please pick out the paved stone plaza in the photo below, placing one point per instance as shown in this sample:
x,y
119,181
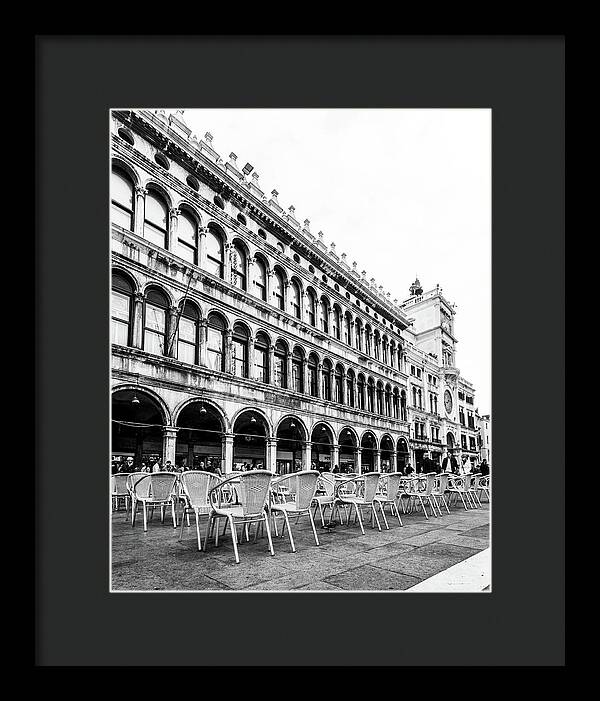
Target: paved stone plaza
x,y
346,560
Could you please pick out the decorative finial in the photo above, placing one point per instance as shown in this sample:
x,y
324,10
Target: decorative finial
x,y
208,137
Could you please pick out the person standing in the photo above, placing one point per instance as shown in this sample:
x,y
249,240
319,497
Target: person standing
x,y
484,468
408,470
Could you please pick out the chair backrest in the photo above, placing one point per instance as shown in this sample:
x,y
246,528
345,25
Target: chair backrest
x,y
302,485
429,480
253,491
370,480
196,484
441,483
468,482
132,484
392,481
162,485
327,482
119,484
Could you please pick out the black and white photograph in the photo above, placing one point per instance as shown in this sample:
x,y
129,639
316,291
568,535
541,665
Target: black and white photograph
x,y
300,352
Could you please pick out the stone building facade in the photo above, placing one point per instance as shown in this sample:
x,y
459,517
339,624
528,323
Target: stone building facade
x,y
239,338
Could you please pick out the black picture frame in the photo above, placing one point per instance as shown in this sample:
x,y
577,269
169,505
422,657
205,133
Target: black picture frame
x,y
78,79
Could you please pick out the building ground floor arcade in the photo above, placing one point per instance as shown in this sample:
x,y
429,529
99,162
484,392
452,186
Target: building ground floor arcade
x,y
202,432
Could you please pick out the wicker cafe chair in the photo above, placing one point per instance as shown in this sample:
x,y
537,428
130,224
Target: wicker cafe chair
x,y
252,489
120,490
460,486
132,479
195,486
483,486
440,487
326,485
369,483
298,498
156,489
390,487
421,488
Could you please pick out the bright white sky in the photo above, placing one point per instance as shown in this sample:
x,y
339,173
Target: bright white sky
x,y
402,192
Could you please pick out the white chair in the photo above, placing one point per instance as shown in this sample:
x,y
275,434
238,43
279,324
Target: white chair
x,y
421,488
460,486
390,488
369,483
252,496
440,487
483,486
295,499
326,485
119,490
155,489
194,488
132,479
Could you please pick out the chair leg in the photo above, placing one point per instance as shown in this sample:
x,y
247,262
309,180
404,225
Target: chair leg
x,y
312,523
173,514
234,538
376,517
397,513
287,523
269,535
145,517
209,528
182,520
360,523
197,529
383,514
216,526
445,503
423,507
133,511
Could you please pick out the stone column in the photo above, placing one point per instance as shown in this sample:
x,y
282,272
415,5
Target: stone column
x,y
306,455
288,370
203,332
343,393
271,455
331,383
335,455
227,452
271,378
227,262
229,351
358,460
251,358
377,460
320,380
305,387
202,248
172,332
394,461
140,206
169,441
172,229
138,319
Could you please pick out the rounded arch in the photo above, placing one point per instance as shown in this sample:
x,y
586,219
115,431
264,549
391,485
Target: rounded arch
x,y
402,445
386,442
117,271
117,163
237,241
244,325
261,333
216,312
190,303
282,343
187,208
320,430
299,425
155,287
299,351
152,185
313,355
217,229
135,389
254,411
201,400
368,439
348,433
260,257
294,279
279,269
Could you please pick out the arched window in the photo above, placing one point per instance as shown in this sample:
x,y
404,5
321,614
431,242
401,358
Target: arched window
x,y
368,339
403,415
121,310
326,379
278,290
350,388
388,400
261,358
155,323
360,386
358,334
312,375
377,344
214,251
156,219
188,335
295,298
339,384
260,279
297,374
239,350
392,354
396,403
348,328
121,194
311,307
414,396
370,394
281,364
215,344
324,315
380,398
187,238
238,267
384,347
337,323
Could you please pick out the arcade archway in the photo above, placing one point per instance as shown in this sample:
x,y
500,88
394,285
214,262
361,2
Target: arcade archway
x,y
322,442
368,444
387,454
291,435
199,438
250,441
348,443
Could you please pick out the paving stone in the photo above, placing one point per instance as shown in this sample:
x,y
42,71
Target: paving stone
x,y
367,577
319,586
465,541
